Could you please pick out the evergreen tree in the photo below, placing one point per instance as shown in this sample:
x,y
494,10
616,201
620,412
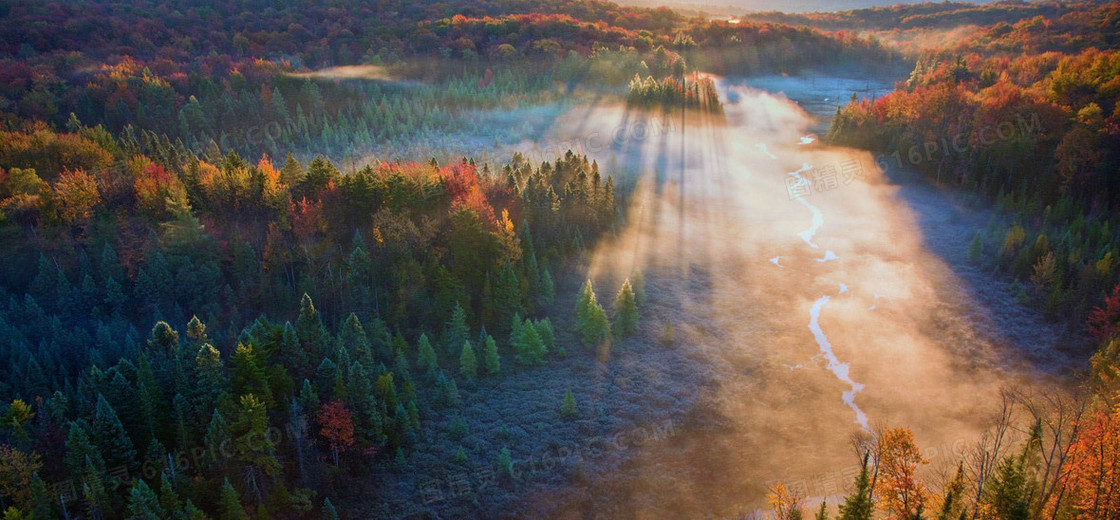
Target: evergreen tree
x,y
638,283
116,446
310,330
822,513
1008,493
626,311
168,498
548,287
547,334
413,416
530,348
491,362
568,408
143,503
218,442
591,319
42,501
248,373
192,512
210,378
252,444
505,463
291,172
448,390
196,331
363,403
230,505
353,338
468,364
952,504
455,331
328,511
857,506
151,399
426,357
81,451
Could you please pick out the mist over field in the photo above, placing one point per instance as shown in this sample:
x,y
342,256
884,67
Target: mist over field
x,y
808,316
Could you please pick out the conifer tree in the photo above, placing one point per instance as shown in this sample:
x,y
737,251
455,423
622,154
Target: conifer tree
x,y
328,511
192,512
218,442
80,451
310,330
353,338
248,373
209,378
626,311
455,331
116,446
363,403
468,364
530,348
230,504
857,506
168,498
292,355
568,407
143,503
505,463
291,172
491,361
426,357
591,319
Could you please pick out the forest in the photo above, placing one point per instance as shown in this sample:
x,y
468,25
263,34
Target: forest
x,y
253,267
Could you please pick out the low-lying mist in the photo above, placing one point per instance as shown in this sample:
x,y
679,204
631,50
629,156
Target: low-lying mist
x,y
801,287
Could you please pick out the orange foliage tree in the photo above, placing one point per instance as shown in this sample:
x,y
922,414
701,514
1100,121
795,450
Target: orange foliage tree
x,y
1092,480
76,195
901,494
337,427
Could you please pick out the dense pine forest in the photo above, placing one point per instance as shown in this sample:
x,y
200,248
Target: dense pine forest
x,y
251,268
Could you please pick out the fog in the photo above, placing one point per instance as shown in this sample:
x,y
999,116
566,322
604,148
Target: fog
x,y
804,292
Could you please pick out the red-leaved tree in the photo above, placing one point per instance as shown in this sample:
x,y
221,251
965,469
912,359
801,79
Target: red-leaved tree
x,y
337,427
1104,322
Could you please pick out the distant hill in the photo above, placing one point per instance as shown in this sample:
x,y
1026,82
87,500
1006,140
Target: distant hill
x,y
788,6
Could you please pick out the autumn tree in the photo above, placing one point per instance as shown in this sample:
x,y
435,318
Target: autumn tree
x,y
1104,321
337,427
17,470
901,494
785,505
76,195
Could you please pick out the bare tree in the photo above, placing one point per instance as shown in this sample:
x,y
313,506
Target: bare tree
x,y
990,448
869,443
